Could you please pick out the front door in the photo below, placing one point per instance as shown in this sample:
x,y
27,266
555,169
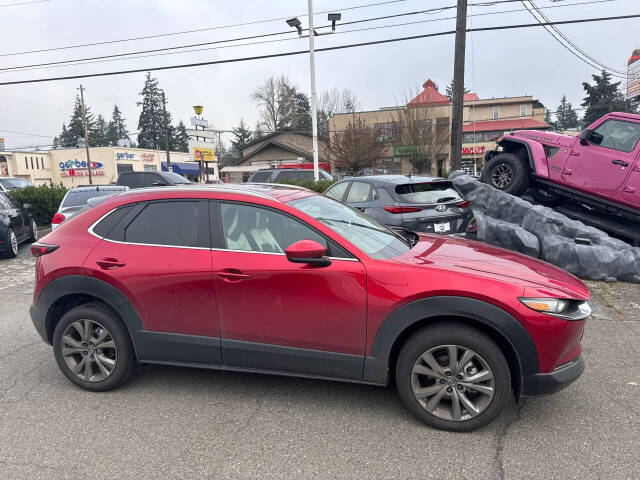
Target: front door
x,y
601,167
281,316
161,252
12,209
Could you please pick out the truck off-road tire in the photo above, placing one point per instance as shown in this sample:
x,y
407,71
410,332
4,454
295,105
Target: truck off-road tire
x,y
507,172
93,348
544,196
453,377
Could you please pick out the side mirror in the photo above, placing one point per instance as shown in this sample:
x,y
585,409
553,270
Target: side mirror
x,y
585,135
26,206
307,251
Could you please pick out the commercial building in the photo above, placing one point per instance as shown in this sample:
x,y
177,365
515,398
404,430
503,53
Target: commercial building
x,y
274,150
484,121
69,166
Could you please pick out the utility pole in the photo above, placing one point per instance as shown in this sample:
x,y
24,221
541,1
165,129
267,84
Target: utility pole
x,y
166,132
458,86
314,116
86,133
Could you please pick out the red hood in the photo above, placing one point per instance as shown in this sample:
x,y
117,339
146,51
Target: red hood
x,y
548,138
458,254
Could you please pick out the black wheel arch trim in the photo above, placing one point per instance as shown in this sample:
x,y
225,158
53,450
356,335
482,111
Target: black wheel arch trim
x,y
376,367
521,142
83,285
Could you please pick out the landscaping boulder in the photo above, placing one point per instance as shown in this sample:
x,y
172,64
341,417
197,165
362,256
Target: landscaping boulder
x,y
507,235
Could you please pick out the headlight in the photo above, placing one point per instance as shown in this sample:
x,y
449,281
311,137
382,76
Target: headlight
x,y
546,305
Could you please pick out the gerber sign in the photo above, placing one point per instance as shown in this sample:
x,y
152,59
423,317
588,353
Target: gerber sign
x,y
78,168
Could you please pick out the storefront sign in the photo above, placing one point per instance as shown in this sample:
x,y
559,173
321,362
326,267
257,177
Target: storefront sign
x,y
125,156
473,150
148,157
204,154
199,122
76,164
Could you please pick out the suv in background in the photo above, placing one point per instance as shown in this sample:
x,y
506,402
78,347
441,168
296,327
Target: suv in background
x,y
13,183
150,179
275,175
76,200
416,203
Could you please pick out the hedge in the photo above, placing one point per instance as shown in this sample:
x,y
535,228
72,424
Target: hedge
x,y
44,201
319,186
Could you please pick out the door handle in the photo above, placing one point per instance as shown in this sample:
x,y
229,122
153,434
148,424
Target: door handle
x,y
567,171
620,162
233,274
574,153
110,263
630,189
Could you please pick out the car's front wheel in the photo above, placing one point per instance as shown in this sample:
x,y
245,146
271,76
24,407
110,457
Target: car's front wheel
x,y
93,348
453,377
11,244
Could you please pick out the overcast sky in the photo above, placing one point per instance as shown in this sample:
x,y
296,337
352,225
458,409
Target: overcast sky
x,y
502,63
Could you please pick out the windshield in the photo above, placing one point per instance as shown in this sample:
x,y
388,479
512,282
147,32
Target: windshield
x,y
371,237
432,192
14,183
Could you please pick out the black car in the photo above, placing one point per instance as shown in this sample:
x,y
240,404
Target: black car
x,y
416,203
16,226
275,175
150,179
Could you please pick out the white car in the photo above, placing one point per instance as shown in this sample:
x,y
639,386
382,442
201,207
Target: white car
x,y
78,199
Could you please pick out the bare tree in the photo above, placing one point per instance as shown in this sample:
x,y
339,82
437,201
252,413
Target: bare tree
x,y
421,134
354,148
334,101
266,96
282,105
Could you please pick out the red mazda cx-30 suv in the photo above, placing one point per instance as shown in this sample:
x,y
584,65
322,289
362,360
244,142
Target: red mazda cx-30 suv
x,y
278,279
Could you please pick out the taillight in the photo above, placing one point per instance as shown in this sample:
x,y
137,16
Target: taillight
x,y
39,249
57,219
393,209
464,204
473,226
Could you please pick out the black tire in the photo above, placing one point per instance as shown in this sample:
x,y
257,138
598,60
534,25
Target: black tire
x,y
106,318
446,334
9,251
34,232
544,197
507,172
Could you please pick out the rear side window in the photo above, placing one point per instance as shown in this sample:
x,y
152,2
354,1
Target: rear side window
x,y
173,223
432,192
260,177
105,226
337,191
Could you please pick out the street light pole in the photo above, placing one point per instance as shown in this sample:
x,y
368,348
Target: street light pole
x,y
86,133
314,116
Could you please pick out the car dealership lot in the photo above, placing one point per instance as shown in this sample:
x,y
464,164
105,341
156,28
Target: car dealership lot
x,y
180,423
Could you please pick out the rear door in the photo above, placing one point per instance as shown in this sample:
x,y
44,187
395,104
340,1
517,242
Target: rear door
x,y
158,254
10,208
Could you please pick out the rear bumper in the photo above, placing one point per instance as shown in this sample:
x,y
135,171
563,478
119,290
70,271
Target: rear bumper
x,y
541,384
38,319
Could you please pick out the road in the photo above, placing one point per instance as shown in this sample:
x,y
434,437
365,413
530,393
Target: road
x,y
185,423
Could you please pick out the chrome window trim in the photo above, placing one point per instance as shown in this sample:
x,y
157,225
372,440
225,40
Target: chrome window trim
x,y
275,253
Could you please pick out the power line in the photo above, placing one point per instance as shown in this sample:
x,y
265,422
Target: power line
x,y
26,134
137,54
325,49
16,4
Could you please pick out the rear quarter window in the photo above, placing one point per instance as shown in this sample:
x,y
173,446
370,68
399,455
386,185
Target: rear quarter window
x,y
261,177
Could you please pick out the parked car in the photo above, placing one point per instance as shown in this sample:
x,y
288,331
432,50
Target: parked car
x,y
150,179
303,285
16,225
599,168
75,200
417,203
12,183
275,175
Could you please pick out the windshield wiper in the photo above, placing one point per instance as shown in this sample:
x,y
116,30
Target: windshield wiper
x,y
445,199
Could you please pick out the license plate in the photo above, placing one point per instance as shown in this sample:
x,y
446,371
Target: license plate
x,y
441,227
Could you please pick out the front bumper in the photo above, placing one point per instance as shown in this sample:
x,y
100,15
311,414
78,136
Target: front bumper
x,y
38,319
541,384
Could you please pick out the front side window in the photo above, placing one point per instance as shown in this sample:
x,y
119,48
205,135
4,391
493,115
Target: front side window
x,y
173,223
337,191
617,135
359,192
255,229
366,234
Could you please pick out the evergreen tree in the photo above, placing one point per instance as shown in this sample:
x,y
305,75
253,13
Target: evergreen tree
x,y
258,132
70,135
547,119
64,140
151,121
301,120
178,138
601,98
449,91
566,116
98,135
242,135
117,128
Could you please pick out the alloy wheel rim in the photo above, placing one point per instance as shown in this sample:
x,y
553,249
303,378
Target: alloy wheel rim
x,y
13,241
89,350
452,382
502,176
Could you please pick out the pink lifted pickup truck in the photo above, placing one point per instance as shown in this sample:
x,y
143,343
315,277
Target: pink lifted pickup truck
x,y
600,167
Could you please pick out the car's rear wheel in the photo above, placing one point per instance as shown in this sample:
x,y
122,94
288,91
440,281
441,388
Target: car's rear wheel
x,y
507,172
93,348
34,232
11,244
453,377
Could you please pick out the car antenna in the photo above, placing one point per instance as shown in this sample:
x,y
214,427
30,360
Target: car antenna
x,y
410,172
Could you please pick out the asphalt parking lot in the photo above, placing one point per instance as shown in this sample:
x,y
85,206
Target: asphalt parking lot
x,y
183,423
